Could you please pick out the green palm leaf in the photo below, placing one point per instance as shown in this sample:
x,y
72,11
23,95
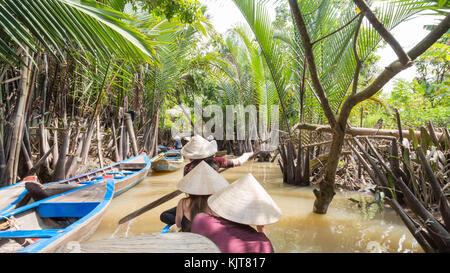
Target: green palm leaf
x,y
69,25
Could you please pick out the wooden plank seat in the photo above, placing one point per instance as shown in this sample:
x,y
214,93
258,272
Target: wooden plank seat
x,y
120,173
119,176
132,166
38,233
66,209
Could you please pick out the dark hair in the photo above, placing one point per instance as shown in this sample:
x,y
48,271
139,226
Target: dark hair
x,y
197,205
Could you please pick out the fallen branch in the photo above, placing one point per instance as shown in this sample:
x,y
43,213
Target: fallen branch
x,y
359,131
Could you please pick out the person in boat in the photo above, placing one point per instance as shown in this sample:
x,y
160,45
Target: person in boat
x,y
235,209
177,145
197,150
211,140
198,184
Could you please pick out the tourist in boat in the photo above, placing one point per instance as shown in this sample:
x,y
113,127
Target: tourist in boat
x,y
199,184
235,209
198,149
211,140
177,145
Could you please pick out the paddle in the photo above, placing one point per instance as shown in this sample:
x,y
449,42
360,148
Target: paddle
x,y
153,204
150,206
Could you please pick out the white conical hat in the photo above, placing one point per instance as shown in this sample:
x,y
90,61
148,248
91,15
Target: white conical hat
x,y
198,148
202,180
245,201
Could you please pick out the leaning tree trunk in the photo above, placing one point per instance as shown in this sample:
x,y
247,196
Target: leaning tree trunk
x,y
326,190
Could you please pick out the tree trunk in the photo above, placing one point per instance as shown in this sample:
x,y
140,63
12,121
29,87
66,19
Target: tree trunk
x,y
10,174
130,130
114,139
87,142
123,141
99,142
60,170
326,190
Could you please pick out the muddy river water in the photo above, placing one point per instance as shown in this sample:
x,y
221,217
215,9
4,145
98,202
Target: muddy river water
x,y
345,228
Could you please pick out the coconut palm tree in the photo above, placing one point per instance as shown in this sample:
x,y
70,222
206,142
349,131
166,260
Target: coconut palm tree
x,y
330,42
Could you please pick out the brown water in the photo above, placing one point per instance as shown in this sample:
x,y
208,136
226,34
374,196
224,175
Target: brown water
x,y
343,229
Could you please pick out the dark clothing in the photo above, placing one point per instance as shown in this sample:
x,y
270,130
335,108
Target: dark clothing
x,y
185,224
178,144
231,237
215,162
168,216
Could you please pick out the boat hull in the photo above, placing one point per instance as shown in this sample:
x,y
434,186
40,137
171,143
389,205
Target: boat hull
x,y
127,174
167,162
37,222
164,165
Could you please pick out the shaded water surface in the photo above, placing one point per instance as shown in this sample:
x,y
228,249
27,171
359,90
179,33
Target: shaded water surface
x,y
345,228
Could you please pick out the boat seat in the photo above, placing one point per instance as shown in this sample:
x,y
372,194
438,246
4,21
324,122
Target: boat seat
x,y
87,182
119,176
38,233
66,209
121,173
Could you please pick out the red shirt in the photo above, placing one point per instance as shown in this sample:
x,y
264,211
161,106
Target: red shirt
x,y
231,237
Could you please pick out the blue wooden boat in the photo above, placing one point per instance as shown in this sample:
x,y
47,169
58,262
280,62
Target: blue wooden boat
x,y
126,174
169,161
54,223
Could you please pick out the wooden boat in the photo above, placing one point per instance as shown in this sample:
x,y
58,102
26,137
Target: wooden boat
x,y
126,174
173,242
50,224
11,195
168,161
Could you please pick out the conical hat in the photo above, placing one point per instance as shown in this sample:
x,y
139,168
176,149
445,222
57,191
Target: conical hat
x,y
245,201
202,180
198,148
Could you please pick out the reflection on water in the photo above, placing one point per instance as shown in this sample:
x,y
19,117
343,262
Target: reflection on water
x,y
343,229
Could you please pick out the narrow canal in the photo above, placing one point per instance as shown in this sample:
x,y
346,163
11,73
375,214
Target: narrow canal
x,y
345,228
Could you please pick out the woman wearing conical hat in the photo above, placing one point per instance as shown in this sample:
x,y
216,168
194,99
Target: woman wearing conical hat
x,y
199,149
198,184
235,209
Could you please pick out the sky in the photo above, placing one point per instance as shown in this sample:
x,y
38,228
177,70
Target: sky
x,y
223,14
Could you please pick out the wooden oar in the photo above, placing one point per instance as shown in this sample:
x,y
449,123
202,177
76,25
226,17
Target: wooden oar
x,y
161,200
153,204
150,206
